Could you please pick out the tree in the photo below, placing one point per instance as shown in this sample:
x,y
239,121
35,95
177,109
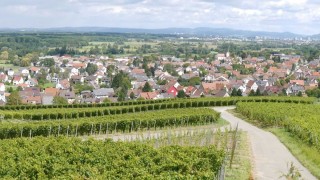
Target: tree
x,y
59,100
147,87
233,92
299,94
121,94
131,95
252,93
258,93
14,98
106,100
48,62
4,55
239,93
121,80
91,68
181,94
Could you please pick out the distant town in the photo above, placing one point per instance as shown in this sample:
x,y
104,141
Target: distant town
x,y
93,76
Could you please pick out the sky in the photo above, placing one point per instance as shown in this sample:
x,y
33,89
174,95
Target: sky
x,y
297,16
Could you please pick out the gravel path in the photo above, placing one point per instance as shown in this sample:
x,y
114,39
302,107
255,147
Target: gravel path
x,y
270,156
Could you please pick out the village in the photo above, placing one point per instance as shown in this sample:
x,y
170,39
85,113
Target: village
x,y
223,77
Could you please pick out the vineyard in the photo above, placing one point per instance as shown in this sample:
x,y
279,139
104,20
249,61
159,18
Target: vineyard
x,y
71,158
109,124
80,111
47,142
302,121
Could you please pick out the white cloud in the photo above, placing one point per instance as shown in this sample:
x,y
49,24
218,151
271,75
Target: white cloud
x,y
300,16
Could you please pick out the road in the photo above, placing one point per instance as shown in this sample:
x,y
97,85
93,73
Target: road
x,y
270,156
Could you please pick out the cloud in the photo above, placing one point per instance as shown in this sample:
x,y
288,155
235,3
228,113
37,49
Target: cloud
x,y
299,16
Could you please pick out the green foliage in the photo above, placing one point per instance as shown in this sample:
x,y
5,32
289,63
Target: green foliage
x,y
191,82
73,158
300,120
14,98
132,96
236,92
170,69
48,62
147,87
91,68
313,92
59,100
117,120
181,94
82,87
121,80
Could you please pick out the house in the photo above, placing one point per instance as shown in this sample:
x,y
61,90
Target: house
x,y
299,82
294,89
77,79
70,96
2,87
10,72
34,70
211,88
103,93
221,57
47,100
32,82
32,100
51,91
25,72
3,77
74,72
165,96
171,87
222,93
148,95
252,85
92,79
2,97
79,65
17,80
63,84
31,95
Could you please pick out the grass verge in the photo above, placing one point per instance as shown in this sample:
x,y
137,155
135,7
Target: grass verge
x,y
241,167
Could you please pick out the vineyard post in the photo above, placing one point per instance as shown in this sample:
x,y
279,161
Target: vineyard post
x,y
50,131
115,128
188,121
91,129
107,129
234,143
21,131
131,126
68,131
100,129
76,130
30,132
59,130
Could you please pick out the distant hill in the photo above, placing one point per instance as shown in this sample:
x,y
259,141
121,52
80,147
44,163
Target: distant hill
x,y
202,31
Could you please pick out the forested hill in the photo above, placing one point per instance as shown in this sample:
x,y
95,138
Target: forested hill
x,y
188,31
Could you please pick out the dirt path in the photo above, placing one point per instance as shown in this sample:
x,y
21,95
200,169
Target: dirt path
x,y
270,156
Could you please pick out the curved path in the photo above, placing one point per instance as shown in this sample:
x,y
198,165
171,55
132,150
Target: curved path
x,y
270,156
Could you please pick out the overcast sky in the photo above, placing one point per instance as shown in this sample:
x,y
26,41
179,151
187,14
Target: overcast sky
x,y
298,16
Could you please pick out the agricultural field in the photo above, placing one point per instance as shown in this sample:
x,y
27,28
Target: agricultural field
x,y
188,141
